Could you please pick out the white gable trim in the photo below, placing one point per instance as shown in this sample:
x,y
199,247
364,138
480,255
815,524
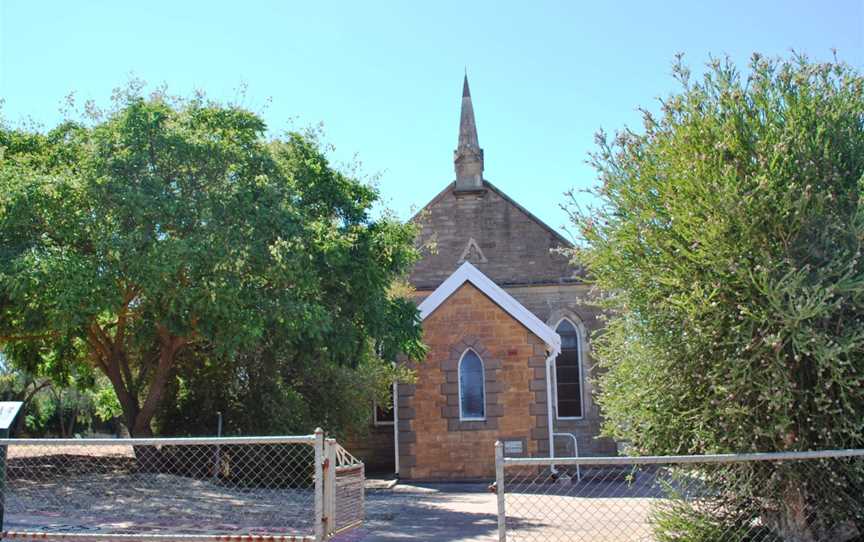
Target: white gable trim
x,y
468,273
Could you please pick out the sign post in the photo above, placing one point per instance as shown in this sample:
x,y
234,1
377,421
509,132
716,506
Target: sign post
x,y
8,411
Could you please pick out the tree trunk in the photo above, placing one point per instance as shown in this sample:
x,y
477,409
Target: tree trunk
x,y
73,419
147,457
128,403
139,416
167,352
110,356
797,519
791,521
150,458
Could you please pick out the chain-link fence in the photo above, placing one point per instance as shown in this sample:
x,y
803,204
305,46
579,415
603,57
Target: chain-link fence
x,y
800,497
203,488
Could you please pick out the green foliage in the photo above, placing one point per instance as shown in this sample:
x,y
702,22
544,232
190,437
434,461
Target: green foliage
x,y
684,521
81,404
165,227
104,401
728,244
259,393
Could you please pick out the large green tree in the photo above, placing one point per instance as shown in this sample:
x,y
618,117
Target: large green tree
x,y
167,226
728,243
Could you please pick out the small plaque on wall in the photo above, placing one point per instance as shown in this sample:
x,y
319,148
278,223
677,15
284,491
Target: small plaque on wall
x,y
513,447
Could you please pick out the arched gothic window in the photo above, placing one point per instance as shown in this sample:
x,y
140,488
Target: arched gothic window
x,y
568,372
472,387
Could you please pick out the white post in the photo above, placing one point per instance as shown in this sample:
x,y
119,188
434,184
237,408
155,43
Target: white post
x,y
499,490
549,406
329,487
396,428
318,525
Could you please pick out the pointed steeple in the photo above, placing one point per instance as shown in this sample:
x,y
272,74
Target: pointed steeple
x,y
468,156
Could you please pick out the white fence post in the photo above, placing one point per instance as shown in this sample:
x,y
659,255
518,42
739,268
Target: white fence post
x,y
499,490
329,486
319,485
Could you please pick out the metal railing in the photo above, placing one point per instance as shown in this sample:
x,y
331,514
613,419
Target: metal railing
x,y
813,496
172,488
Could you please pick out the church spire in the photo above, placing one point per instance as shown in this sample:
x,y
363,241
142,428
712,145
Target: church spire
x,y
468,156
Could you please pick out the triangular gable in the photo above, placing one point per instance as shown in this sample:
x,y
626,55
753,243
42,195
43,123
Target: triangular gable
x,y
517,247
440,195
468,273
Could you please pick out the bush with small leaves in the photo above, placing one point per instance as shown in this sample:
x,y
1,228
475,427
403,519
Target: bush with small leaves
x,y
728,244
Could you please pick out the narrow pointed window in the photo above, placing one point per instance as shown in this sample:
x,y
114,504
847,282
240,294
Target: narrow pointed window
x,y
568,372
472,393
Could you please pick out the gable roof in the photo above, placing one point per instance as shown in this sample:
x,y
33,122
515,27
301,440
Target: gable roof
x,y
563,240
519,249
468,273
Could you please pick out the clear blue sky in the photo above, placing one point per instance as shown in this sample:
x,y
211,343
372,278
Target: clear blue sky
x,y
385,77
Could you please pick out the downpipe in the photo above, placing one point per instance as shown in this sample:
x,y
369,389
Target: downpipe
x,y
550,429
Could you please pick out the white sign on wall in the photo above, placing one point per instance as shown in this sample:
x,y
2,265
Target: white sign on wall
x,y
513,447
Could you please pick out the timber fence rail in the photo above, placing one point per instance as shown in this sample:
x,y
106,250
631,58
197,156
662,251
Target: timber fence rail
x,y
813,496
266,488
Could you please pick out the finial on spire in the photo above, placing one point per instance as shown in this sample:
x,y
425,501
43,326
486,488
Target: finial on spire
x,y
468,157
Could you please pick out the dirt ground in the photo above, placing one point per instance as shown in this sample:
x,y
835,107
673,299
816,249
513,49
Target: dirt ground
x,y
101,489
153,503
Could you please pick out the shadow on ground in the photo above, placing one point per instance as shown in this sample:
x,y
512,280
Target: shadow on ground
x,y
597,510
445,513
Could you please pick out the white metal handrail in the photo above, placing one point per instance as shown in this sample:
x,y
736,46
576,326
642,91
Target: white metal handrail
x,y
575,452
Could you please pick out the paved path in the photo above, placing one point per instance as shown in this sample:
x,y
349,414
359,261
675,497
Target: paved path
x,y
604,512
443,513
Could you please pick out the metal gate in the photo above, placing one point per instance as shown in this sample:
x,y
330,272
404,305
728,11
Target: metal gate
x,y
344,493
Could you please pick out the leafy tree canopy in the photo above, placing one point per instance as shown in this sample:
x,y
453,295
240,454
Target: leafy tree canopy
x,y
166,225
728,242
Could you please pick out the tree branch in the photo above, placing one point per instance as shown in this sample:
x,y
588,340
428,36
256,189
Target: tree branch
x,y
100,353
27,337
34,391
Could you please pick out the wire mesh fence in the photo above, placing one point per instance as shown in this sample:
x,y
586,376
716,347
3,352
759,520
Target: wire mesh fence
x,y
801,497
169,488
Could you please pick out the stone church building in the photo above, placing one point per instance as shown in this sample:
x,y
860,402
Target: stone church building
x,y
505,320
